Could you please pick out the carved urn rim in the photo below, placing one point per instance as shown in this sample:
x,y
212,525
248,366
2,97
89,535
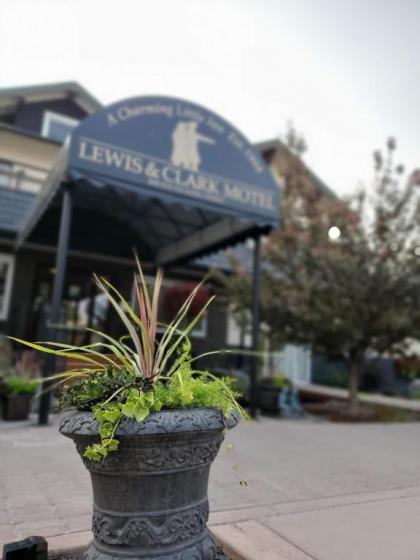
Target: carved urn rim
x,y
163,422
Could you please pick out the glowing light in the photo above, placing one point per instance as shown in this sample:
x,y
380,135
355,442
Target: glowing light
x,y
417,251
334,233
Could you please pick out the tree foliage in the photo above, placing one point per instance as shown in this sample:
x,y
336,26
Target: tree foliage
x,y
358,293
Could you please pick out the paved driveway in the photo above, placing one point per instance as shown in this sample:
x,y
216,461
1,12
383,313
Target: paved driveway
x,y
291,489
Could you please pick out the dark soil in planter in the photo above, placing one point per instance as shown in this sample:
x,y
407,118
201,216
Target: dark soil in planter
x,y
338,411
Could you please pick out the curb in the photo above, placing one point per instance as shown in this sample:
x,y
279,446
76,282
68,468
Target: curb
x,y
70,544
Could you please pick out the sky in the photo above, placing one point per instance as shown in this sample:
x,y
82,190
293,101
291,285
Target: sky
x,y
346,73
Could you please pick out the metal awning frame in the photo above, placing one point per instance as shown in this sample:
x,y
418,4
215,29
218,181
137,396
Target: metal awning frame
x,y
212,236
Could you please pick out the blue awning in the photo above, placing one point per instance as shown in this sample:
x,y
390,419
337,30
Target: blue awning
x,y
180,178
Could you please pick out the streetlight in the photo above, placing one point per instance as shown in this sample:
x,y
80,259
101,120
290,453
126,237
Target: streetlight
x,y
334,233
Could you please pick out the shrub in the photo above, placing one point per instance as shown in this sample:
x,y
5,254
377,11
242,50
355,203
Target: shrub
x,y
19,385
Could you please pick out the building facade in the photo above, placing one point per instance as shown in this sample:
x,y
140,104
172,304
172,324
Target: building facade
x,y
34,123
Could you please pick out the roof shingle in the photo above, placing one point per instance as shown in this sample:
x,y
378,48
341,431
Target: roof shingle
x,y
14,208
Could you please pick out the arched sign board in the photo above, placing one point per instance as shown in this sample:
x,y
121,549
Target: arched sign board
x,y
178,152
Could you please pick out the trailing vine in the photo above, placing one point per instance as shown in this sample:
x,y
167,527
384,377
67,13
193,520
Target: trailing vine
x,y
114,395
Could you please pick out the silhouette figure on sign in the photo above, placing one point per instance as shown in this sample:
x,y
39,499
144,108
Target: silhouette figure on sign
x,y
185,149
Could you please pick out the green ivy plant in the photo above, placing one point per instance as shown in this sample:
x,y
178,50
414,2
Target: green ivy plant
x,y
138,373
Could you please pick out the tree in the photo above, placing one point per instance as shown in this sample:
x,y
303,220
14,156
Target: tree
x,y
344,276
295,141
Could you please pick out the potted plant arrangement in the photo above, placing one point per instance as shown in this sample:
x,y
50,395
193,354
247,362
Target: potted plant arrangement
x,y
16,395
147,425
270,390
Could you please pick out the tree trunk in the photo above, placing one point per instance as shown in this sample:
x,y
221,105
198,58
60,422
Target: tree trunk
x,y
354,380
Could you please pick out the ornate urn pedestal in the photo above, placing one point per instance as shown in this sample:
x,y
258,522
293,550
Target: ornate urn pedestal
x,y
150,496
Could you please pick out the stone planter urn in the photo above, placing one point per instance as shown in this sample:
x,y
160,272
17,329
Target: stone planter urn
x,y
150,496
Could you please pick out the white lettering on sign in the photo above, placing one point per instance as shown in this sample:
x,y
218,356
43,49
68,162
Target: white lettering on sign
x,y
110,157
252,197
190,113
161,174
127,112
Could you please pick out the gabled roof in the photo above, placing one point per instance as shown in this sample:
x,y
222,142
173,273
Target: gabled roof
x,y
10,98
275,144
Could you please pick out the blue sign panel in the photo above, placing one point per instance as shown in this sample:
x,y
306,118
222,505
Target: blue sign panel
x,y
179,152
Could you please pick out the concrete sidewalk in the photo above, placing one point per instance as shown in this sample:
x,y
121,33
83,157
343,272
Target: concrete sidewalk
x,y
314,490
316,390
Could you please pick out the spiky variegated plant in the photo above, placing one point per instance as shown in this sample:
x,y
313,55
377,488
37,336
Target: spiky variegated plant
x,y
137,374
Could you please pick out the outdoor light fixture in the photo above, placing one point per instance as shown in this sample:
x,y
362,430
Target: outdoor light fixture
x,y
417,251
334,233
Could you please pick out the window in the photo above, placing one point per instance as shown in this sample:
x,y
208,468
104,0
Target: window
x,y
237,335
6,277
6,169
57,127
200,328
21,177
